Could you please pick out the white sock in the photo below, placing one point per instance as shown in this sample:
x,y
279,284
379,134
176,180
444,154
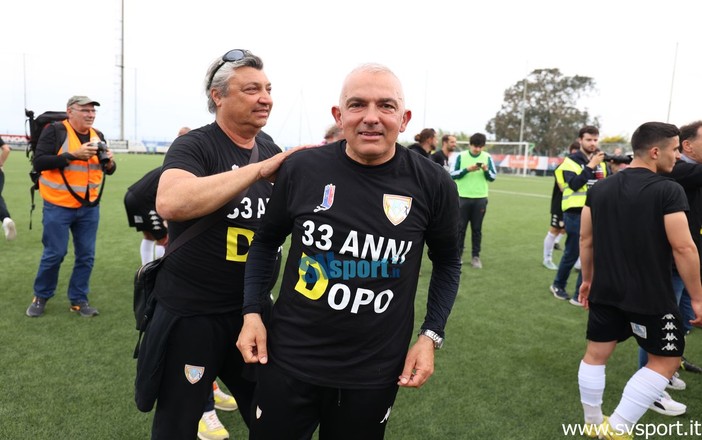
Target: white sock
x,y
591,381
644,387
549,241
558,238
159,251
147,250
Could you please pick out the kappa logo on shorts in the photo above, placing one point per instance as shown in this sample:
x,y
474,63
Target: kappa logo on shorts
x,y
327,198
194,373
669,326
670,337
396,208
670,347
638,329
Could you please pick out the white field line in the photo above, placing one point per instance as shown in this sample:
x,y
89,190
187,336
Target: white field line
x,y
516,193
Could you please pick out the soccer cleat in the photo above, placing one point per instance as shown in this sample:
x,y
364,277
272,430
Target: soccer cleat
x,y
8,226
84,309
210,428
559,293
550,265
36,308
607,432
590,430
667,406
476,263
675,383
575,302
689,366
223,401
556,247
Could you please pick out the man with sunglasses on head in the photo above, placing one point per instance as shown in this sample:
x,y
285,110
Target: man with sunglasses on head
x,y
359,212
72,158
199,287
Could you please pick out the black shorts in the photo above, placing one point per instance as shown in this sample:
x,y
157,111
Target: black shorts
x,y
660,335
143,216
289,408
557,220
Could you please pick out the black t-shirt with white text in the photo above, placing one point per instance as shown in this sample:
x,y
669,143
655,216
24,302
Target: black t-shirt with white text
x,y
632,255
206,274
345,311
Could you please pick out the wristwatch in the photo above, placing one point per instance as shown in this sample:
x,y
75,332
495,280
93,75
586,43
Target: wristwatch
x,y
438,340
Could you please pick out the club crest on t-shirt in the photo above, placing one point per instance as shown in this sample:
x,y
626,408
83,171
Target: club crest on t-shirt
x,y
396,208
327,198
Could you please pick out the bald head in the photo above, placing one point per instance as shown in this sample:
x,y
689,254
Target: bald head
x,y
373,69
371,113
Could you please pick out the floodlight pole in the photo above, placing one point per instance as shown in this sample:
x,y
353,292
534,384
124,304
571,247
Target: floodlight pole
x,y
672,82
121,80
521,125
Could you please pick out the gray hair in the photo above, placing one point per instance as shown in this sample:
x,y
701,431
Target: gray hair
x,y
224,70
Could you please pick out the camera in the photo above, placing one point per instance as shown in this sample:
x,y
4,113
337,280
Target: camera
x,y
617,159
102,153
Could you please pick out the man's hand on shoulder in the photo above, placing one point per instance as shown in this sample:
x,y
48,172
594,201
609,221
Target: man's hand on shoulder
x,y
269,167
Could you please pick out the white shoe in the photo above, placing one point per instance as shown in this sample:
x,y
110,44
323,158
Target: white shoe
x,y
550,265
675,383
223,401
8,226
210,428
476,263
667,406
575,302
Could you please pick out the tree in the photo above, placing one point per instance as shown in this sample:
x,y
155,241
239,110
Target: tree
x,y
551,118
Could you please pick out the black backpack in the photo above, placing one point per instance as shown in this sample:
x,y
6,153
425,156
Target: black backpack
x,y
36,126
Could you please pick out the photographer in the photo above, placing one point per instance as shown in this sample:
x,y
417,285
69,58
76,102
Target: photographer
x,y
72,158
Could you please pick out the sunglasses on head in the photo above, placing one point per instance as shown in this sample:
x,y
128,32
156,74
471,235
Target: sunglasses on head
x,y
232,55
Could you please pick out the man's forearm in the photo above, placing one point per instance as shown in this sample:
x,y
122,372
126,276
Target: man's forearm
x,y
687,262
183,196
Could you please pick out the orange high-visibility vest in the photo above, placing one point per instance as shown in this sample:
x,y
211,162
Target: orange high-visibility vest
x,y
81,175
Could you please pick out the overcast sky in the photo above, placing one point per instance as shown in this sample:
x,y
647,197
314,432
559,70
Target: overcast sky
x,y
455,58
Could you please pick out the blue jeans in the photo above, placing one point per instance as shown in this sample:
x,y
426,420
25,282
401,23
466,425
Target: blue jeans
x,y
678,288
82,224
571,253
